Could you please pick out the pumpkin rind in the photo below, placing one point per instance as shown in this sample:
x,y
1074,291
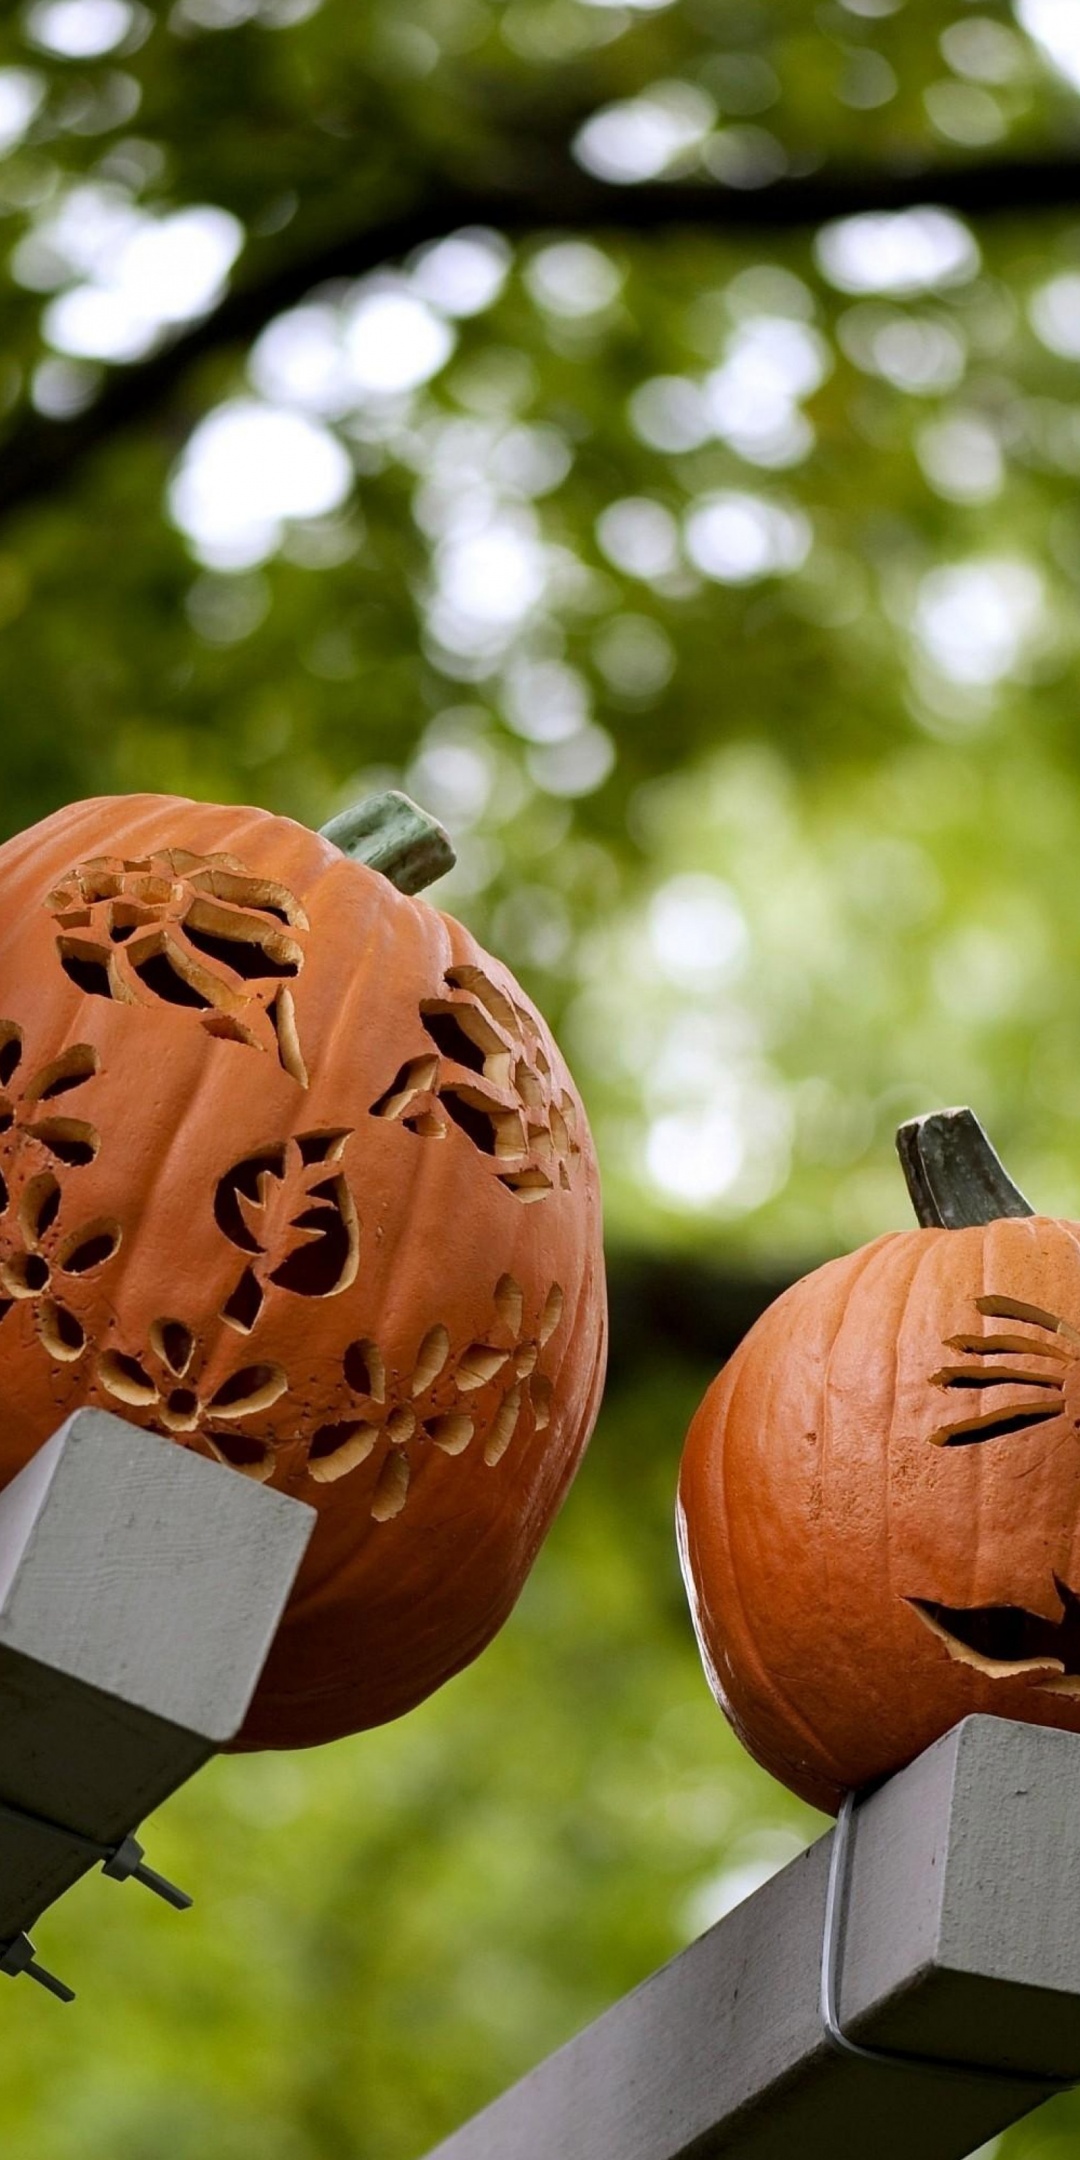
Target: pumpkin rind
x,y
282,1263
862,1456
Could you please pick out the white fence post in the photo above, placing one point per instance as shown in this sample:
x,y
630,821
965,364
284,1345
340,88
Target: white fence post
x,y
140,1587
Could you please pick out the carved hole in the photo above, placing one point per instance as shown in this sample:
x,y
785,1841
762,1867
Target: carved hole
x,y
400,1426
476,1119
391,1488
69,1139
244,1306
414,1078
427,1125
125,917
249,948
509,1303
89,1247
125,1378
474,980
526,1184
525,1361
96,882
10,1051
244,1453
430,1359
1007,1308
552,1313
527,1083
451,1433
180,1410
174,1344
336,1449
60,1332
318,1147
255,1388
69,1070
39,1207
502,1431
1004,1637
246,957
227,1028
246,1180
541,1401
24,1275
1007,1346
478,1365
283,1015
261,894
161,971
444,1026
326,1262
995,1428
84,966
1000,1376
365,1372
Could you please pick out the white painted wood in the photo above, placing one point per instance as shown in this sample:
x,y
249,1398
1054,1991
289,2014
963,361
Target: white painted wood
x,y
963,1941
140,1587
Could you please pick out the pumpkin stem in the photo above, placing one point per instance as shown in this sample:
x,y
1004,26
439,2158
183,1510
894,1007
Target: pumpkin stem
x,y
953,1175
393,835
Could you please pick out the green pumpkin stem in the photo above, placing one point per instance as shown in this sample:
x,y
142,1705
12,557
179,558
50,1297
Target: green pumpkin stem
x,y
393,835
953,1175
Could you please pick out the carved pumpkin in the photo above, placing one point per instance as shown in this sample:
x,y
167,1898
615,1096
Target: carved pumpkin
x,y
292,1171
879,1505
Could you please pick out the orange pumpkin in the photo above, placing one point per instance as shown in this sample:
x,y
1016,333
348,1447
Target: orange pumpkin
x,y
293,1172
879,1504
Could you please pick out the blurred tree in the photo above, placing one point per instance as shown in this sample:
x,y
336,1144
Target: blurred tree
x,y
650,431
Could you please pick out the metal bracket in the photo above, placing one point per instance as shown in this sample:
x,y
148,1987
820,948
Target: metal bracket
x,y
121,1863
18,1957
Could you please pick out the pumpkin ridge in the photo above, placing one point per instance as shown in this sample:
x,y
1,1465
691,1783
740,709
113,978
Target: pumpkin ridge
x,y
767,1681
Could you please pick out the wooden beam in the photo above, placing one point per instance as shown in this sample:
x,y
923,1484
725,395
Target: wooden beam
x,y
140,1587
961,1945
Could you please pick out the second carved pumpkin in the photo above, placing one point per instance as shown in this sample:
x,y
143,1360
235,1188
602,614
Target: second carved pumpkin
x,y
879,1504
293,1172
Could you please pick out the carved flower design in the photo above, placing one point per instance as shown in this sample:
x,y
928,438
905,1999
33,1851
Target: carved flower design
x,y
483,1393
164,1379
489,1075
187,930
41,1262
31,1119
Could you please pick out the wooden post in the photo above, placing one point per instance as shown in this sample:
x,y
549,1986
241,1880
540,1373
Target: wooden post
x,y
140,1587
961,1947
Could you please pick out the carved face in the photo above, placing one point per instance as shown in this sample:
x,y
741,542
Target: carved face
x,y
291,1171
880,1503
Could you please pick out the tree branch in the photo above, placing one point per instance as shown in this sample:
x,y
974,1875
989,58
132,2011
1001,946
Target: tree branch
x,y
680,1306
42,454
